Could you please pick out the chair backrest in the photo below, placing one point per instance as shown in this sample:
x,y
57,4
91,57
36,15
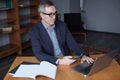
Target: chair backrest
x,y
73,21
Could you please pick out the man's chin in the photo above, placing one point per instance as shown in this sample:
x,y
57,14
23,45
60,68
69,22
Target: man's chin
x,y
52,24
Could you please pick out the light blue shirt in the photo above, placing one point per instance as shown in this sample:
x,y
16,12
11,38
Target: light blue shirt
x,y
53,37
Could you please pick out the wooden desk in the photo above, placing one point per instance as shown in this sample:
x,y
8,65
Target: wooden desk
x,y
66,73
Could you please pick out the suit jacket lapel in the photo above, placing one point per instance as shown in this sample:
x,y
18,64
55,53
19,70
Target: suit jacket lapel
x,y
45,37
58,35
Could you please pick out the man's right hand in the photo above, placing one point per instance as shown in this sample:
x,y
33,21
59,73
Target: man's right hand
x,y
66,60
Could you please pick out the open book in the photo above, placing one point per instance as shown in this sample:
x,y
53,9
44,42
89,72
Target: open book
x,y
32,70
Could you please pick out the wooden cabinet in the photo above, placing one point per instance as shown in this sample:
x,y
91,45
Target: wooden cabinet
x,y
28,16
20,15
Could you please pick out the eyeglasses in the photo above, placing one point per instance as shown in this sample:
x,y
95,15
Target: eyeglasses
x,y
50,14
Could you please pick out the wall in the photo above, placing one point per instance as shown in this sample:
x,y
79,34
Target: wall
x,y
74,6
99,15
63,6
102,15
67,6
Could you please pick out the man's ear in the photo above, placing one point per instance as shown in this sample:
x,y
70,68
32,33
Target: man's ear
x,y
41,15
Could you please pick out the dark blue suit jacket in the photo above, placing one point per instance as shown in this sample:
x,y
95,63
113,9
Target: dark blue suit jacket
x,y
42,45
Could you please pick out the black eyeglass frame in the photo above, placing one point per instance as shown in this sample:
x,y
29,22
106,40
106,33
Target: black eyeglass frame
x,y
50,14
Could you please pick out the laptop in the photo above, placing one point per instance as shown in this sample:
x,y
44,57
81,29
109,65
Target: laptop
x,y
99,64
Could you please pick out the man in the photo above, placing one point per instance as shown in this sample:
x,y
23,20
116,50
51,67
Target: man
x,y
51,38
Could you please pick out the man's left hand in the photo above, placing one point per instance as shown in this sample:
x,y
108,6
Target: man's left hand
x,y
87,59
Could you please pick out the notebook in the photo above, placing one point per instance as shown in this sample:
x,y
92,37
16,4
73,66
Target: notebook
x,y
89,69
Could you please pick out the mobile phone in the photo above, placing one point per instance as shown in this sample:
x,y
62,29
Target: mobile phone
x,y
76,57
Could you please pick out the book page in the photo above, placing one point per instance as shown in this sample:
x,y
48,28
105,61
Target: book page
x,y
12,72
28,71
47,69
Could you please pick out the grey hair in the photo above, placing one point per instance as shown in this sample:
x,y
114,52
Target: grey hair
x,y
43,4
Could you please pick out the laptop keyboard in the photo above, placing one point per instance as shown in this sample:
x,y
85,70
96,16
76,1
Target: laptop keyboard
x,y
83,68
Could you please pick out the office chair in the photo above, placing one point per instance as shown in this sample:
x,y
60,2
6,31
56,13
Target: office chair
x,y
74,23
